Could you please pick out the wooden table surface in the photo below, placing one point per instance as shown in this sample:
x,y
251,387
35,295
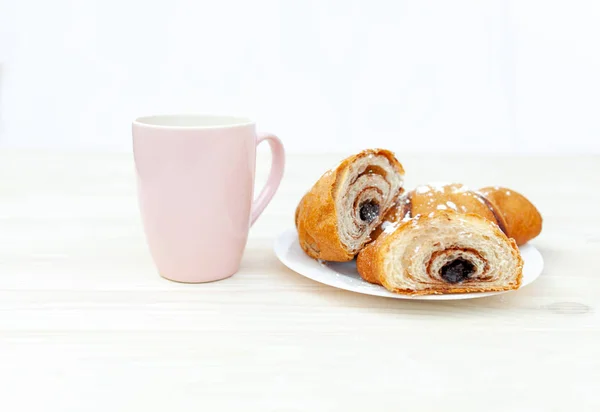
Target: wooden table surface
x,y
86,324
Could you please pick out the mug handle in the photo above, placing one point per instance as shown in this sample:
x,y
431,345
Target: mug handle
x,y
277,166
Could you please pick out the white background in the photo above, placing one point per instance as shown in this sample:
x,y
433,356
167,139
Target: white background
x,y
479,76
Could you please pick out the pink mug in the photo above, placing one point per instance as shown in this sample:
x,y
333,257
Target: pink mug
x,y
195,180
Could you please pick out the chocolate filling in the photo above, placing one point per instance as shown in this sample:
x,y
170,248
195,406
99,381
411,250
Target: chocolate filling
x,y
457,271
369,211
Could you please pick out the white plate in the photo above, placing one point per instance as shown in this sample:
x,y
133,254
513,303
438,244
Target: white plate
x,y
345,276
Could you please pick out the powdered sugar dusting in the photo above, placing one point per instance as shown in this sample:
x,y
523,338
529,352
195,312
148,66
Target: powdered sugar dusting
x,y
389,227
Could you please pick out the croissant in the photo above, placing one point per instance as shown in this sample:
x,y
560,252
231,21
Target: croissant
x,y
336,217
511,211
442,252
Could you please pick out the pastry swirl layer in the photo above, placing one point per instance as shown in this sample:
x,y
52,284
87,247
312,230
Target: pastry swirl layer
x,y
336,217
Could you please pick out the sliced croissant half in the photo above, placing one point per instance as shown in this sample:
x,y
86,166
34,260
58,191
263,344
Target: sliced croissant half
x,y
336,217
442,252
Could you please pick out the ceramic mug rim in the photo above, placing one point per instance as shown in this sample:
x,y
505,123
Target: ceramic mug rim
x,y
197,121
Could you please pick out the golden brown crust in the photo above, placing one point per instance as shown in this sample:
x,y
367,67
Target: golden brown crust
x,y
367,262
516,216
451,291
316,222
523,221
370,260
426,199
316,214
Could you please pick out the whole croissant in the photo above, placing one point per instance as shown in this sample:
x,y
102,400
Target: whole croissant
x,y
516,216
